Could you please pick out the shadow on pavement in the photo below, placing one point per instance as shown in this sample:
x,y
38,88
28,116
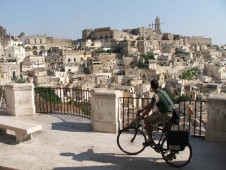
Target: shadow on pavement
x,y
8,139
72,126
117,161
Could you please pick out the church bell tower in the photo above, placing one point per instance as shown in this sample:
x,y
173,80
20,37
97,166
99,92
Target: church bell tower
x,y
157,25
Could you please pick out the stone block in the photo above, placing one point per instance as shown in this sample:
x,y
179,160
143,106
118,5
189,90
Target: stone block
x,y
216,119
105,110
20,99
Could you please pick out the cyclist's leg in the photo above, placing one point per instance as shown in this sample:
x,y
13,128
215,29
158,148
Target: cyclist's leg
x,y
148,129
154,118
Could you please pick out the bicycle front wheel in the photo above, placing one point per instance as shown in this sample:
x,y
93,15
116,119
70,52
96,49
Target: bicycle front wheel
x,y
130,140
176,158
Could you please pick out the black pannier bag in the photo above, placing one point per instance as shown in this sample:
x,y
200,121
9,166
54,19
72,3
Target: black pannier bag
x,y
177,140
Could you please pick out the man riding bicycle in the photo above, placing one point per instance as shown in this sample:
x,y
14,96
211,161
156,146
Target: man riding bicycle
x,y
162,113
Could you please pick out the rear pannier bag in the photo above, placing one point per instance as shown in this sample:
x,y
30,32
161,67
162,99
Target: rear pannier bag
x,y
177,140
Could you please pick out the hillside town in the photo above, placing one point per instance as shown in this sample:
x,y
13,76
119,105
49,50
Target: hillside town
x,y
126,60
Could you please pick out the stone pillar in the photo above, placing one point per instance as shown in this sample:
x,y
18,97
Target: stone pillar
x,y
20,99
216,118
105,110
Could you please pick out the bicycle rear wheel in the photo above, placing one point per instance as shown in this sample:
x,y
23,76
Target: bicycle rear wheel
x,y
130,140
176,158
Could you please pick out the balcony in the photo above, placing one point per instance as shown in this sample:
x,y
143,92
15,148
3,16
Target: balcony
x,y
70,141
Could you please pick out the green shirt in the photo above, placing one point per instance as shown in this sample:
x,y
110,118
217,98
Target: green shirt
x,y
164,102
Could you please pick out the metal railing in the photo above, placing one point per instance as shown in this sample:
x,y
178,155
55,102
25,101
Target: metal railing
x,y
2,98
195,124
63,100
77,102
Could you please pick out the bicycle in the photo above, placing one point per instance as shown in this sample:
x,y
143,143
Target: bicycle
x,y
130,140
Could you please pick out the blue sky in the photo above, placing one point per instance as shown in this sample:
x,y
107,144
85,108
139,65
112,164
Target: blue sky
x,y
67,18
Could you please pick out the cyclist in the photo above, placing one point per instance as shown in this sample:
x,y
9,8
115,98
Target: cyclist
x,y
162,114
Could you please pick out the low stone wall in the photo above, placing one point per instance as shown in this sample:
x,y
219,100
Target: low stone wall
x,y
216,119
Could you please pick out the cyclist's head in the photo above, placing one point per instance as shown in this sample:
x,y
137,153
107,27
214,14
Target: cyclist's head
x,y
154,84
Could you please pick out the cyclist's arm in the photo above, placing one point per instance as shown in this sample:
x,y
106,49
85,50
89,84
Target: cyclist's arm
x,y
149,107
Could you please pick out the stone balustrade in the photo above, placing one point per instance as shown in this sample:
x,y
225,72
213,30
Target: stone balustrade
x,y
105,116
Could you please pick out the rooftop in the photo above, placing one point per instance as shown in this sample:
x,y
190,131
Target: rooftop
x,y
68,142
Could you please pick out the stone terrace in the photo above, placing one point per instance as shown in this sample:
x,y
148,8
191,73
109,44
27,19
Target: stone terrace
x,y
68,142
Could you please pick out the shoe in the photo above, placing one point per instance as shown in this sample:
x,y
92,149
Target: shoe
x,y
171,156
149,143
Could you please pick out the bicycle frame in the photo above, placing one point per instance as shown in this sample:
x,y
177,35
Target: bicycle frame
x,y
137,124
157,145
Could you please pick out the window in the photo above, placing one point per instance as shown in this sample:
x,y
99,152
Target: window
x,y
14,74
74,59
69,60
35,41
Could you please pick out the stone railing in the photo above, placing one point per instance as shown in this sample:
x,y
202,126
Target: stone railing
x,y
105,109
106,116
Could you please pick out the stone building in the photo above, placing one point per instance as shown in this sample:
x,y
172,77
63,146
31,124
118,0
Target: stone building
x,y
10,71
54,59
104,33
94,65
194,40
144,46
32,62
35,43
141,31
15,53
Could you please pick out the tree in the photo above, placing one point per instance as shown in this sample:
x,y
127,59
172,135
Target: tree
x,y
148,57
190,74
21,81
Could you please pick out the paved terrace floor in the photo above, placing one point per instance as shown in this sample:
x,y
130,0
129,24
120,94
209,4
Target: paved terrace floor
x,y
68,142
